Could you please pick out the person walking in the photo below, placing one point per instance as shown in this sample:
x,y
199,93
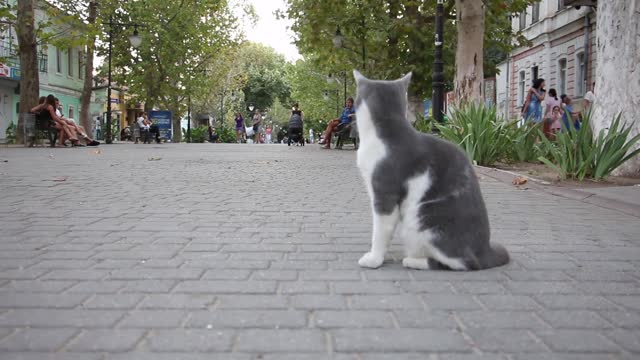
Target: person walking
x,y
532,110
257,128
239,127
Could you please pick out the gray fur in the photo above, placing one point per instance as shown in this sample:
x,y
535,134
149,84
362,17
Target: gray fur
x,y
453,207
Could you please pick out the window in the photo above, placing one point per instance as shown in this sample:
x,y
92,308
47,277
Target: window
x,y
581,79
535,12
560,5
523,20
70,62
521,88
534,73
80,62
58,60
71,112
562,76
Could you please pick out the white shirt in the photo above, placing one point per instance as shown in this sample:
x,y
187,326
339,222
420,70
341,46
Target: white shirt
x,y
141,124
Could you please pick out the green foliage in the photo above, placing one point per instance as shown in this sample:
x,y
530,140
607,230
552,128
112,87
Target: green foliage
x,y
226,134
198,134
265,72
10,133
424,124
577,154
479,132
391,31
523,141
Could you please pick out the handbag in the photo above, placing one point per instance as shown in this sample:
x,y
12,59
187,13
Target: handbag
x,y
249,131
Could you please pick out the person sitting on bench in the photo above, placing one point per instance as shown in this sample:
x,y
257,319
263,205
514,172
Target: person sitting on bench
x,y
347,114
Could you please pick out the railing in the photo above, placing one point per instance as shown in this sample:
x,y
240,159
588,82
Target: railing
x,y
10,55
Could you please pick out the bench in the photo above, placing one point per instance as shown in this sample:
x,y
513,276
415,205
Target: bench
x,y
346,132
38,127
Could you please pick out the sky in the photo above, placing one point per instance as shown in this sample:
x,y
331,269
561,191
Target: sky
x,y
270,31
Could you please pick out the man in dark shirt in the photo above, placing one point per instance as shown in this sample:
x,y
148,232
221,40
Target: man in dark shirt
x,y
347,115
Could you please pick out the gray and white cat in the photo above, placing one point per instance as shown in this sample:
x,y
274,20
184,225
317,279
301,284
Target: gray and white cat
x,y
422,188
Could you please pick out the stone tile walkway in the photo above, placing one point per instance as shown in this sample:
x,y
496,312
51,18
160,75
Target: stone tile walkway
x,y
218,251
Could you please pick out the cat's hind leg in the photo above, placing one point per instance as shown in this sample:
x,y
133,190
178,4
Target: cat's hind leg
x,y
383,229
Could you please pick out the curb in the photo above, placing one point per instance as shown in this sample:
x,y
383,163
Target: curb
x,y
578,195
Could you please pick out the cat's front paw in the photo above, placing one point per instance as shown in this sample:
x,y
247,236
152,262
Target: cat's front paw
x,y
371,260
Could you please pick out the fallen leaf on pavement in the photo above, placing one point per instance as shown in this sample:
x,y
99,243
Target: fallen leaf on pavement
x,y
519,180
97,151
154,159
60,178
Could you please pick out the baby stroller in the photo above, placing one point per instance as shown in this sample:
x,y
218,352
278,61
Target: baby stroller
x,y
296,133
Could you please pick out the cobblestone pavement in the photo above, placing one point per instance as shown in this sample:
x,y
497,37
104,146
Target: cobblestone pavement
x,y
210,251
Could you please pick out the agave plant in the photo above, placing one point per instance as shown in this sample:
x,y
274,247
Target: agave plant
x,y
479,132
577,154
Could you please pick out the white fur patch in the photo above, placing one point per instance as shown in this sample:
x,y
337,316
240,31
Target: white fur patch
x,y
372,150
419,244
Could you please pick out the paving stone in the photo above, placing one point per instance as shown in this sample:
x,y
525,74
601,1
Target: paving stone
x,y
577,341
282,340
191,340
501,320
357,319
574,319
107,340
511,340
385,340
225,287
40,300
37,340
226,279
177,301
153,319
271,319
386,302
318,302
60,318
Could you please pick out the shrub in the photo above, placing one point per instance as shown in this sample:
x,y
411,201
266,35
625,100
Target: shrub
x,y
577,154
226,134
524,140
11,133
198,134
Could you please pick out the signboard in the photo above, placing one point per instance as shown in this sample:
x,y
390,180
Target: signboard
x,y
163,119
427,109
15,73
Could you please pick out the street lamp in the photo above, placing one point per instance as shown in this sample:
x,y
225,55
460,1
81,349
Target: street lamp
x,y
338,39
135,41
438,64
338,43
325,96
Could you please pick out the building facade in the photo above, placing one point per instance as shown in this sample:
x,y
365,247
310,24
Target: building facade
x,y
562,51
61,74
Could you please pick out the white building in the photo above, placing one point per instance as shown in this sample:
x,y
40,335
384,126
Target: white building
x,y
562,52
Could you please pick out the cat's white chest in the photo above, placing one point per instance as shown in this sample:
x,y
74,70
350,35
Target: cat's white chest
x,y
372,149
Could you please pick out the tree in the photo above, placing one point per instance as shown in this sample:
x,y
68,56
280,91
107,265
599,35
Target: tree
x,y
397,35
618,58
181,39
29,78
470,51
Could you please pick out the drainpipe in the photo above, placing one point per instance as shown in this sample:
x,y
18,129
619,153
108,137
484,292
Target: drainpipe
x,y
507,118
587,47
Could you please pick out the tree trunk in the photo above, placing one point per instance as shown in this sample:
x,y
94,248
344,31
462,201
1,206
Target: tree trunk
x,y
469,52
618,32
85,111
29,77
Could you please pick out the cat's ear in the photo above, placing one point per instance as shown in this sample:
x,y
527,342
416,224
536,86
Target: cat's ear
x,y
359,77
406,80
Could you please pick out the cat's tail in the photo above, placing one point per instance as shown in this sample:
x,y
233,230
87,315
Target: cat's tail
x,y
496,256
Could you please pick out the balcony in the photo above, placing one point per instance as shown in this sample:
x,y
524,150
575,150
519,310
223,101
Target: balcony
x,y
9,56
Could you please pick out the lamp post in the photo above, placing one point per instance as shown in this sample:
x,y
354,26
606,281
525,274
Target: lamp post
x,y
135,41
438,71
325,95
331,78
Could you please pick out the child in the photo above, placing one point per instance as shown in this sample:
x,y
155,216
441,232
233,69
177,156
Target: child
x,y
554,123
